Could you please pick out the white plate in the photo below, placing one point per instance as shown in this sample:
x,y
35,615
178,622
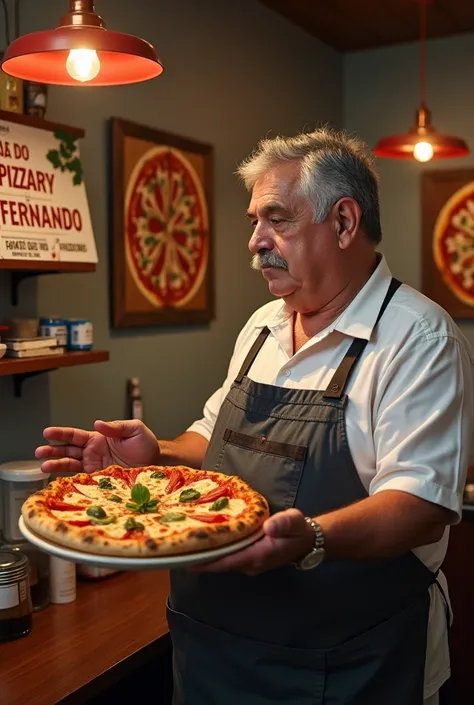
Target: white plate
x,y
126,563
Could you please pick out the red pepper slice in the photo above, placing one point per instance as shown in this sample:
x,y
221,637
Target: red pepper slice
x,y
223,491
64,506
78,522
175,482
132,534
210,518
131,477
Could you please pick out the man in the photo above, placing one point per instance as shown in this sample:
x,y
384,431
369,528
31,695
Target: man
x,y
349,405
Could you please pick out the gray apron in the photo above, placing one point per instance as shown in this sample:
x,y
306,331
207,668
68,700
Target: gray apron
x,y
347,632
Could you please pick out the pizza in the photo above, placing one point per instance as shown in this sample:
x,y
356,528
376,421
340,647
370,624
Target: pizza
x,y
145,512
453,243
166,228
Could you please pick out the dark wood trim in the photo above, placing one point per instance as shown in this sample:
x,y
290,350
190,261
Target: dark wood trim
x,y
31,121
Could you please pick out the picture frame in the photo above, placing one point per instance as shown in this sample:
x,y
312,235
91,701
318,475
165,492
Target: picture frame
x,y
161,265
447,206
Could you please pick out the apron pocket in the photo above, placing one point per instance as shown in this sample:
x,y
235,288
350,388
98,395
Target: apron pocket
x,y
213,667
272,468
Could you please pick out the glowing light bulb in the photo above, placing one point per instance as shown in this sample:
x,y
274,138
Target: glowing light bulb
x,y
83,64
423,151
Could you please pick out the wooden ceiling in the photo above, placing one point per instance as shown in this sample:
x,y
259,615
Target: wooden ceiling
x,y
352,25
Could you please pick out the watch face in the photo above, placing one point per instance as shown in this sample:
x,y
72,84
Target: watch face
x,y
313,559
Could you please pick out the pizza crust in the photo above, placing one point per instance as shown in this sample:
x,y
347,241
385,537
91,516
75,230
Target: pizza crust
x,y
174,541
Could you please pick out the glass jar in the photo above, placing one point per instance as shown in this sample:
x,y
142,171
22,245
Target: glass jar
x,y
18,480
15,597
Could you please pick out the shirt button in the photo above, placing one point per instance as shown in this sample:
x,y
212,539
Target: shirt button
x,y
287,373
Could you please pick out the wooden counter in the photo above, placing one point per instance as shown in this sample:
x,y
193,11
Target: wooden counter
x,y
78,650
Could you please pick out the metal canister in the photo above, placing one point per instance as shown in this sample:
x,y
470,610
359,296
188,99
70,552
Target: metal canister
x,y
54,328
80,334
15,597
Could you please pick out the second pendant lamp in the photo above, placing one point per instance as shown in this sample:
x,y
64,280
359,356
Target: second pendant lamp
x,y
422,142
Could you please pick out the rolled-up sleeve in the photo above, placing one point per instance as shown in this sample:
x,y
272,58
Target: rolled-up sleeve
x,y
423,421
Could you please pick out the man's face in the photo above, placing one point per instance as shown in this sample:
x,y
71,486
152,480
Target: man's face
x,y
294,254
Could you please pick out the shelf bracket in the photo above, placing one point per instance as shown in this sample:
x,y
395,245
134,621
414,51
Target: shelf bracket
x,y
16,277
21,377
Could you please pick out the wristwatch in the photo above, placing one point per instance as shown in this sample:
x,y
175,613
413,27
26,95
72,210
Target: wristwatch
x,y
317,553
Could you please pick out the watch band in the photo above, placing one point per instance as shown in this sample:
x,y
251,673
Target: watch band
x,y
318,533
317,553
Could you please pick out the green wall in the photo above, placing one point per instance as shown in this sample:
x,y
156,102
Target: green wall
x,y
234,72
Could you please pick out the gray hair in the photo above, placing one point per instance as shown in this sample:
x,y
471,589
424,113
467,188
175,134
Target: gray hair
x,y
334,165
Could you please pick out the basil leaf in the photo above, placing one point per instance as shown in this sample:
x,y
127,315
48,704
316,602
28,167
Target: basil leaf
x,y
115,498
150,506
171,516
189,495
96,512
133,507
132,525
105,484
157,475
107,520
140,494
219,504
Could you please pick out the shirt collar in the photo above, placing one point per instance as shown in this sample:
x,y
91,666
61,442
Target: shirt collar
x,y
359,318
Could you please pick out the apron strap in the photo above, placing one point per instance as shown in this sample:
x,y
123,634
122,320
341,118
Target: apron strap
x,y
337,385
252,354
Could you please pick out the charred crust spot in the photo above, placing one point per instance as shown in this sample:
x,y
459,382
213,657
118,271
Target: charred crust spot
x,y
240,526
88,539
199,534
151,544
259,513
222,529
31,513
63,528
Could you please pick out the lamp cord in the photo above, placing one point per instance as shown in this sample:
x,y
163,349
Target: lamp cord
x,y
423,53
7,24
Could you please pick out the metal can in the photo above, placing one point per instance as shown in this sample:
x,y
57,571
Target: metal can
x,y
54,328
80,334
15,596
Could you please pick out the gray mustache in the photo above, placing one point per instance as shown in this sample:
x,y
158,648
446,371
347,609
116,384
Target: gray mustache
x,y
268,258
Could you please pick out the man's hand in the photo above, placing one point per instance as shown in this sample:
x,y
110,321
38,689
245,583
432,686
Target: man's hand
x,y
287,538
125,443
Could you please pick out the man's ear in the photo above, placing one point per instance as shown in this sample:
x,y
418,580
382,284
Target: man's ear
x,y
348,216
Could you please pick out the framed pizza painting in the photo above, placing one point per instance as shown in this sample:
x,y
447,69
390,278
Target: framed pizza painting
x,y
448,240
161,254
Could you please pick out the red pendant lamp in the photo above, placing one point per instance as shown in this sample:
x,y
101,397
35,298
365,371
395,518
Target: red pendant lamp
x,y
422,142
81,51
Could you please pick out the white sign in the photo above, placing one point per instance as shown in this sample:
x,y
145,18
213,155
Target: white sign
x,y
44,213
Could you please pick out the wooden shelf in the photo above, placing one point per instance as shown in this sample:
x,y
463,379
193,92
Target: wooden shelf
x,y
31,121
15,366
44,267
22,368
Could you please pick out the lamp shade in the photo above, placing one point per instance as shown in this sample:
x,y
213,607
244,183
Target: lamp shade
x,y
42,56
403,146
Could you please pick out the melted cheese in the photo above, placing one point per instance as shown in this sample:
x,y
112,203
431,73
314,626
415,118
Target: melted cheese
x,y
235,507
157,487
202,486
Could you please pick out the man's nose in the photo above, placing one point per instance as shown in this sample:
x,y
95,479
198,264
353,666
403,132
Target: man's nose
x,y
260,240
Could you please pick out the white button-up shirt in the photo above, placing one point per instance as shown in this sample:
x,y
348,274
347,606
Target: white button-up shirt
x,y
409,416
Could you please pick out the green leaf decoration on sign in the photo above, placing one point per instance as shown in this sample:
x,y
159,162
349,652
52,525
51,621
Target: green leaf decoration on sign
x,y
63,158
